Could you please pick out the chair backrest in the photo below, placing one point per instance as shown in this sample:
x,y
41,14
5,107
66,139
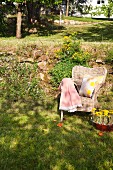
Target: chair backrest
x,y
78,72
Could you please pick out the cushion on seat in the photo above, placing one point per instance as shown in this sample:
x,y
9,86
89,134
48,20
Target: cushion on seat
x,y
89,84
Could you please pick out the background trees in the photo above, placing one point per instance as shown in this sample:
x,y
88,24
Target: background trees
x,y
105,9
31,10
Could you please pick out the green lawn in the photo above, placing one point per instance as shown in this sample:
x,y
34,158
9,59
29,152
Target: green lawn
x,y
31,139
29,136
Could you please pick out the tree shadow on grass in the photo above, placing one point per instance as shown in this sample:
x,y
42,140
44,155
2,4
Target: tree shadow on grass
x,y
43,29
40,28
30,139
99,32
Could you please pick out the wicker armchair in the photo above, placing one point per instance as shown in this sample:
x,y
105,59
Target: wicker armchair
x,y
78,72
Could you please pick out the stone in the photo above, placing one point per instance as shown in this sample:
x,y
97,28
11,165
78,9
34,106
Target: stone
x,y
41,76
72,22
42,65
43,58
99,61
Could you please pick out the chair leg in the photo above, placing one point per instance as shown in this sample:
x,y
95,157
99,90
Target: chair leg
x,y
61,115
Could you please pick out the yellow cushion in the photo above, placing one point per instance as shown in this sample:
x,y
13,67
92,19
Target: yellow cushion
x,y
88,85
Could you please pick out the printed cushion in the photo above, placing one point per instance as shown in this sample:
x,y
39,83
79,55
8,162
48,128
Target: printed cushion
x,y
88,86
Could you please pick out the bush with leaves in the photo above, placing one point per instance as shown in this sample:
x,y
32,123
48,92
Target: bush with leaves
x,y
19,81
109,57
69,55
2,21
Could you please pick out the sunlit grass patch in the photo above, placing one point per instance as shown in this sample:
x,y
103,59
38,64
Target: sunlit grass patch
x,y
32,140
29,136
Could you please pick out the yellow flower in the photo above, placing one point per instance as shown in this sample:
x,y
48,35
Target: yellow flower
x,y
111,111
100,113
105,112
97,113
93,110
66,37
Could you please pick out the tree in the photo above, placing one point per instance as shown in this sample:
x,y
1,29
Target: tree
x,y
80,5
2,22
18,4
19,20
107,10
32,6
67,8
33,9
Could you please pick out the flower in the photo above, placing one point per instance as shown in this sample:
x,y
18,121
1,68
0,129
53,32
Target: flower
x,y
93,110
102,112
59,124
105,112
104,117
111,111
100,133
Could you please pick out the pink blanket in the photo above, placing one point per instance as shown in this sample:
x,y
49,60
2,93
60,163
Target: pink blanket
x,y
70,99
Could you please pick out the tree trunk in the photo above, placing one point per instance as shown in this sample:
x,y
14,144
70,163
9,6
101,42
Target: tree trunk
x,y
67,8
19,22
30,11
33,9
60,16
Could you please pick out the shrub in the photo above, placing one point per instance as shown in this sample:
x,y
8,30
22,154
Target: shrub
x,y
19,81
69,55
62,69
109,58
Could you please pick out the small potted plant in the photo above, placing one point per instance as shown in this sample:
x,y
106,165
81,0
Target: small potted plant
x,y
102,119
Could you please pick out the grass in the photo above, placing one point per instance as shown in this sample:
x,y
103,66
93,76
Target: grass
x,y
14,43
97,32
29,135
30,139
83,19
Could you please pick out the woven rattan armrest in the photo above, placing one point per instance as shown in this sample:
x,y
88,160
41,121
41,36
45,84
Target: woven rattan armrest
x,y
78,73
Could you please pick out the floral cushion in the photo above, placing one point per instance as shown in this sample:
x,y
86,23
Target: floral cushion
x,y
88,85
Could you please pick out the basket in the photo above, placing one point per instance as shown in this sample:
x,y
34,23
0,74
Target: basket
x,y
103,123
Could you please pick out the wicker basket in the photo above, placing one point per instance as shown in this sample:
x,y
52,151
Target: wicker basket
x,y
103,127
103,123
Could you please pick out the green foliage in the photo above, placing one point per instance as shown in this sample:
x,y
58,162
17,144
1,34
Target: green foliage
x,y
106,100
62,69
2,21
29,136
51,2
82,19
109,58
69,55
19,81
107,10
31,140
46,2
